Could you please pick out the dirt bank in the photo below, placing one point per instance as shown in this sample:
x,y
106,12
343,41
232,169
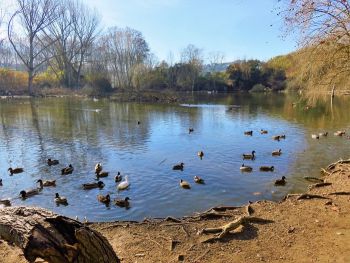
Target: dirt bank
x,y
302,228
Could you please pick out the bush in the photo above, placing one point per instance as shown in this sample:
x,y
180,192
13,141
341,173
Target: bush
x,y
98,85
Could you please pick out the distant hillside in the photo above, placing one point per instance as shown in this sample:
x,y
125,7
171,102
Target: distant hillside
x,y
216,67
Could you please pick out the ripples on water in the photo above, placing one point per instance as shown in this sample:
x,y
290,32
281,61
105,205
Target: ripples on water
x,y
84,132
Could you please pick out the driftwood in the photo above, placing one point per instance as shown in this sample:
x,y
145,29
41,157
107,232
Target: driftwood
x,y
53,238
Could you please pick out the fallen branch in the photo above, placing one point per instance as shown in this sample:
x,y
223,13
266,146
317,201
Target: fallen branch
x,y
340,193
310,196
313,179
319,185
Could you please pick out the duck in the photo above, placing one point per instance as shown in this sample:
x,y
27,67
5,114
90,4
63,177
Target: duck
x,y
184,184
98,168
245,168
190,130
60,200
118,177
46,183
178,166
5,202
323,134
198,180
0,182
52,162
88,186
67,170
248,133
281,181
262,131
276,137
122,202
267,168
277,152
200,154
249,156
102,174
315,136
29,193
339,133
283,136
138,122
106,199
124,185
15,170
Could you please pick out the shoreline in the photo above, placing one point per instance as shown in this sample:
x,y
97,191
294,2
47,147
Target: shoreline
x,y
309,227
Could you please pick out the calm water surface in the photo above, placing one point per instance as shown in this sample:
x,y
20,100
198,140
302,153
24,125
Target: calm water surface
x,y
84,132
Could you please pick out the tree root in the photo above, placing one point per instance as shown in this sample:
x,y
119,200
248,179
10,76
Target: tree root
x,y
319,185
305,196
313,179
339,193
332,165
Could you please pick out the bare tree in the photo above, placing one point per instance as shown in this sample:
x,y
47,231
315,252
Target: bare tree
x,y
192,56
215,58
31,20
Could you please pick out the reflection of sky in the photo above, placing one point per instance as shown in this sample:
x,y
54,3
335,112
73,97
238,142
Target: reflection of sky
x,y
73,132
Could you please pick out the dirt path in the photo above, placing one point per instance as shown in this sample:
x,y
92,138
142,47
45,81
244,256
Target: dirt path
x,y
305,230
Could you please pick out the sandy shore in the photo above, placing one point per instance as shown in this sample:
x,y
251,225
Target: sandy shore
x,y
293,230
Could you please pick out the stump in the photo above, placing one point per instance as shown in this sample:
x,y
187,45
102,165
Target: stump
x,y
53,238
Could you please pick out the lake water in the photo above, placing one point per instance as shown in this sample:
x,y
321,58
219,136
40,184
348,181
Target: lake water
x,y
83,132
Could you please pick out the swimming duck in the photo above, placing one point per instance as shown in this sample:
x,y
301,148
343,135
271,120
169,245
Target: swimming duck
x,y
5,202
98,168
15,170
179,166
198,180
339,133
315,136
101,174
67,170
267,168
122,202
283,136
248,133
200,154
263,131
124,185
52,162
249,156
323,134
277,152
245,168
276,138
88,186
28,193
106,199
118,177
281,181
46,183
190,130
138,122
185,184
61,200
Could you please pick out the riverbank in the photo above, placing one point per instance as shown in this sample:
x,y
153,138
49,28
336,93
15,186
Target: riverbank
x,y
313,227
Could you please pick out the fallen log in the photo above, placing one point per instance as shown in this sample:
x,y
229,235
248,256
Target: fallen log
x,y
53,238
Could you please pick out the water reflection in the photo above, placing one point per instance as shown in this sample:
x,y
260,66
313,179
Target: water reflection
x,y
83,132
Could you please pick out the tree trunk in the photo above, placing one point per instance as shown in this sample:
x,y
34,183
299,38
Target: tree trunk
x,y
53,238
30,81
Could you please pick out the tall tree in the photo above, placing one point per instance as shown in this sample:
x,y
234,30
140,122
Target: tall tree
x,y
192,56
31,19
215,58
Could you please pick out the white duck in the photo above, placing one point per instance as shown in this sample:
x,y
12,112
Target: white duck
x,y
124,184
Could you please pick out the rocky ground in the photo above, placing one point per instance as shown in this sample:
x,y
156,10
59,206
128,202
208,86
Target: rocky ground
x,y
313,227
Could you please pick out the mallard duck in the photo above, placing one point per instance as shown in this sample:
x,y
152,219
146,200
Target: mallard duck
x,y
5,202
52,162
28,193
118,177
267,168
339,133
46,183
124,185
184,184
249,156
200,154
67,170
281,181
323,134
190,130
122,202
198,180
248,133
315,136
60,200
106,199
15,170
277,152
276,137
101,174
263,131
179,166
98,168
245,168
88,186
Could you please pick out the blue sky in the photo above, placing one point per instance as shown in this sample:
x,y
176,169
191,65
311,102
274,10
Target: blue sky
x,y
238,28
